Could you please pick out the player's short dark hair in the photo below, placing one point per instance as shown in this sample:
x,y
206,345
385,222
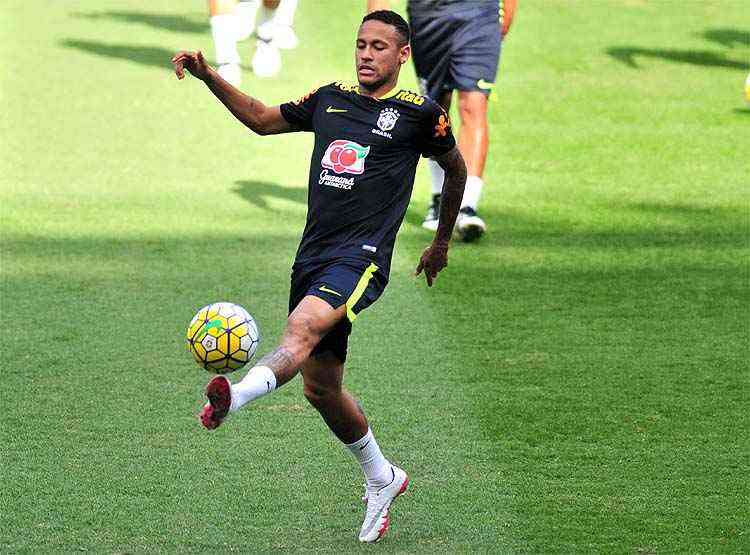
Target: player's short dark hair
x,y
391,18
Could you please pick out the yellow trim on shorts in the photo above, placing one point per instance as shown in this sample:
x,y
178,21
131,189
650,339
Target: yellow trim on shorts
x,y
359,290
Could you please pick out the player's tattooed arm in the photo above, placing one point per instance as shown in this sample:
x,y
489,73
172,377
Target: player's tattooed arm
x,y
453,191
435,257
251,112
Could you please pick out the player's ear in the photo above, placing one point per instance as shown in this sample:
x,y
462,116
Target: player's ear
x,y
404,53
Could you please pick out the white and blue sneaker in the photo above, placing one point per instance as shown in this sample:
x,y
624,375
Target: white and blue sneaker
x,y
469,225
379,502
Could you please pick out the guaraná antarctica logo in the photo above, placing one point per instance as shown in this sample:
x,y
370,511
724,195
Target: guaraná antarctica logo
x,y
344,156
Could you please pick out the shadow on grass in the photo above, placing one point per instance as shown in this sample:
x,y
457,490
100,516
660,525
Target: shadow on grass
x,y
256,193
728,38
627,226
146,55
176,23
704,58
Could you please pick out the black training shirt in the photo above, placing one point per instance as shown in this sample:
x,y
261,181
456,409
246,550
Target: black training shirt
x,y
362,167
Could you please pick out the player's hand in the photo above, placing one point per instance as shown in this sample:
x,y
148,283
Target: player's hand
x,y
433,259
193,62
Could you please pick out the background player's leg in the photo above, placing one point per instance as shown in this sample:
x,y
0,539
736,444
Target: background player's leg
x,y
246,12
473,141
275,31
284,36
225,31
322,375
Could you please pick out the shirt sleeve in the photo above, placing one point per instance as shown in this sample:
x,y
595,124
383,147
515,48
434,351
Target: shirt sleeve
x,y
437,135
300,112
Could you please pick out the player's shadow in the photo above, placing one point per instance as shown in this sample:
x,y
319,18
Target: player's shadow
x,y
176,23
728,38
145,55
705,58
257,193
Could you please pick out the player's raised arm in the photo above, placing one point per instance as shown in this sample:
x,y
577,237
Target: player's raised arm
x,y
262,119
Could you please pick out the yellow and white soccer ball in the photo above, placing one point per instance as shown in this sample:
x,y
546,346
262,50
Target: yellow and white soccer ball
x,y
747,89
222,337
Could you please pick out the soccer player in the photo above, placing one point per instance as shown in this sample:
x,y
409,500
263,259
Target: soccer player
x,y
233,21
368,140
456,46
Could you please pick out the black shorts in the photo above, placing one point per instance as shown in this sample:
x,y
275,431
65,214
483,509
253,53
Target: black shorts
x,y
354,282
457,50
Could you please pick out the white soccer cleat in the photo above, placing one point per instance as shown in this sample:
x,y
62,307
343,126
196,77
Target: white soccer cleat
x,y
230,73
267,59
285,38
469,225
379,501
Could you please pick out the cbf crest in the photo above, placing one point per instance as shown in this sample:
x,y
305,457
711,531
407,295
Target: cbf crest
x,y
387,119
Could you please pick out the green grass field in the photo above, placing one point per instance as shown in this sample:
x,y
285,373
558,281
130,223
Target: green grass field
x,y
576,382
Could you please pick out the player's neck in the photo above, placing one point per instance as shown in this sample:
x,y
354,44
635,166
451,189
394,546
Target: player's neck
x,y
379,92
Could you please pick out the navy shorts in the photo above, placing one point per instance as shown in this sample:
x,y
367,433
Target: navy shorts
x,y
457,50
353,282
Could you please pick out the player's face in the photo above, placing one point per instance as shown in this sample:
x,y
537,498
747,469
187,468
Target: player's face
x,y
378,55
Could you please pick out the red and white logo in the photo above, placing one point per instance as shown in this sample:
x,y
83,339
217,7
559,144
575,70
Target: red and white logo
x,y
344,156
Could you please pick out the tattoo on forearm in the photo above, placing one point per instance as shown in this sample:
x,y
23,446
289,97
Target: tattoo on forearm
x,y
280,361
453,192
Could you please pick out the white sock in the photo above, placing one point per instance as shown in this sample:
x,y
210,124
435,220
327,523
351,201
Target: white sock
x,y
285,13
266,24
246,12
224,29
472,192
256,383
438,176
376,467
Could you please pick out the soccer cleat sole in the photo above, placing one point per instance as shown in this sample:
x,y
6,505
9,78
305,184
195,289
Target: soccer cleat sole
x,y
219,393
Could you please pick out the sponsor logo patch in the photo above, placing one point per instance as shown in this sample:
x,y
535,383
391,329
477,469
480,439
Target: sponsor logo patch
x,y
344,156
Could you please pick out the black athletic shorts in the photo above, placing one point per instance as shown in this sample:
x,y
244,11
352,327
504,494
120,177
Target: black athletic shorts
x,y
456,50
354,282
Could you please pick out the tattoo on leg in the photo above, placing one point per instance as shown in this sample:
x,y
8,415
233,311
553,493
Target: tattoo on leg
x,y
280,361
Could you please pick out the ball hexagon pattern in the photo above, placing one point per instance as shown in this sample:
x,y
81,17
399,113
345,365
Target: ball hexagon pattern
x,y
222,337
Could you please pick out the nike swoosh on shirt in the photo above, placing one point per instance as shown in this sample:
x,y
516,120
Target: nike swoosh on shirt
x,y
332,110
326,290
482,84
